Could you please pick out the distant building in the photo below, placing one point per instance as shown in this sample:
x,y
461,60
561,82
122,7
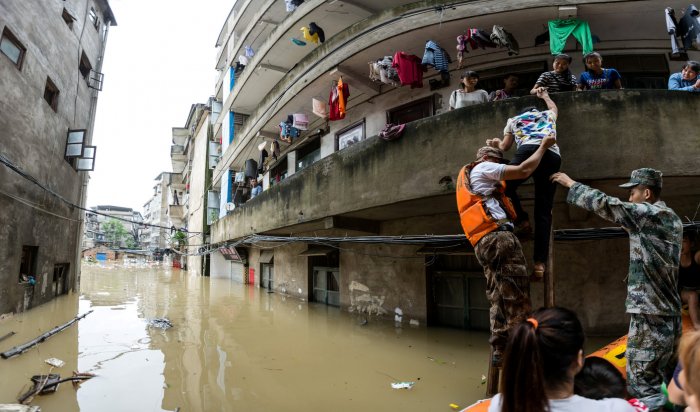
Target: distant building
x,y
51,55
156,214
94,231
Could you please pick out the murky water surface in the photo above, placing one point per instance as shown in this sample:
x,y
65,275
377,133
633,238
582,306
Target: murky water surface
x,y
233,347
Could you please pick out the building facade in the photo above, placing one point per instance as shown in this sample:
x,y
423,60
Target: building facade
x,y
337,179
94,234
156,235
50,80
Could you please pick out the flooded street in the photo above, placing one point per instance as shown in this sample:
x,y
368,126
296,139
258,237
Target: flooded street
x,y
233,347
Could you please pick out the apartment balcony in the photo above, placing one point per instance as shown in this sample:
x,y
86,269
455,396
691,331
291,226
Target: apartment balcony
x,y
602,135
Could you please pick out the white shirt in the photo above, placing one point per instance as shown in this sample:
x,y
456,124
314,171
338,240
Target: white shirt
x,y
460,98
577,404
483,178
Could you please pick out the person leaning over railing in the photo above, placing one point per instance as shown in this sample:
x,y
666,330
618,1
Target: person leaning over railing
x,y
596,76
558,80
687,79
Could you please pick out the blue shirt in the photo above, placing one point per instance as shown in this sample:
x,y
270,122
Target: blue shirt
x,y
605,80
676,82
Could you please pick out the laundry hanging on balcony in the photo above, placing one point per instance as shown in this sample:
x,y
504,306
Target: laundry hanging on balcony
x,y
319,108
672,29
288,132
436,56
338,99
560,30
298,42
503,38
312,38
300,121
249,52
475,38
292,5
689,28
409,68
314,29
383,71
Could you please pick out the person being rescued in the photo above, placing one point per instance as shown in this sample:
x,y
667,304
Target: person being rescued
x,y
487,215
527,131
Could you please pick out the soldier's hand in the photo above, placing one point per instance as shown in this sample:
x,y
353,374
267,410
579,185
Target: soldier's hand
x,y
563,179
549,141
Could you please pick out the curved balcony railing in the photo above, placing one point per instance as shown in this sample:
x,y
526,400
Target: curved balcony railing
x,y
602,134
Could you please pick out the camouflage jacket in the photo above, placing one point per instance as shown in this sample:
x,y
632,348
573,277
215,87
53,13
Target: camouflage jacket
x,y
655,233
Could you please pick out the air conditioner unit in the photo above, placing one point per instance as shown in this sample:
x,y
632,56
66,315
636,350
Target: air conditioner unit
x,y
568,12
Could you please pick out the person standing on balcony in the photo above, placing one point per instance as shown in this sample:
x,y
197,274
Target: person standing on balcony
x,y
558,80
176,200
596,77
527,131
256,189
486,215
510,87
653,301
687,80
468,95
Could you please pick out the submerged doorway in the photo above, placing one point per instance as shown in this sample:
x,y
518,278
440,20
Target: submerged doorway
x,y
324,271
457,293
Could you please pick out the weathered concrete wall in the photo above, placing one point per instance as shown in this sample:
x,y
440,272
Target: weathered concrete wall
x,y
33,137
197,195
594,129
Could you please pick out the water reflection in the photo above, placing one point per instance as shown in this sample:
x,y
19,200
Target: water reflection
x,y
235,348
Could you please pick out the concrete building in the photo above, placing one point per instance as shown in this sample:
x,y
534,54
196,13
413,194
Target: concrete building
x,y
94,234
51,55
155,212
337,179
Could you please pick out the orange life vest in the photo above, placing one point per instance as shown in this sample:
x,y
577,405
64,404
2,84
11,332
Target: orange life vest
x,y
475,217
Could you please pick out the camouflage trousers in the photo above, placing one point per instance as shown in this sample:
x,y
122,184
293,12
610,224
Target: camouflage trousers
x,y
651,356
507,283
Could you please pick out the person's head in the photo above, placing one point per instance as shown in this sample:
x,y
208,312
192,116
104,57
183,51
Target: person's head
x,y
689,352
599,379
644,185
511,81
690,70
253,181
561,63
593,61
490,154
543,353
469,79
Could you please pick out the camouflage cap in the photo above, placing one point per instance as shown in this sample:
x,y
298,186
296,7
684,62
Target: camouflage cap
x,y
644,176
491,152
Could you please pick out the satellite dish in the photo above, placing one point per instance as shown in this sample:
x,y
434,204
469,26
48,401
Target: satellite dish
x,y
230,206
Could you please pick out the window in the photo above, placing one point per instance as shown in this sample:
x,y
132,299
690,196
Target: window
x,y
68,18
93,18
51,94
350,135
75,140
27,266
409,112
84,66
279,172
86,163
12,48
308,154
640,71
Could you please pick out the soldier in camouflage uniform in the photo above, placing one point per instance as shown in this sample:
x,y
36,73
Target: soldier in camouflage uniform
x,y
655,233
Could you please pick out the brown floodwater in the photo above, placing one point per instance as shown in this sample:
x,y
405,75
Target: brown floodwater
x,y
233,348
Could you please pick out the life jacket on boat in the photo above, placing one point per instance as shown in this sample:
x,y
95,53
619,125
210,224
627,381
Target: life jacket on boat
x,y
475,217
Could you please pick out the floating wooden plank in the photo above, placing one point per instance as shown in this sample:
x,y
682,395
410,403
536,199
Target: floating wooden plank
x,y
18,350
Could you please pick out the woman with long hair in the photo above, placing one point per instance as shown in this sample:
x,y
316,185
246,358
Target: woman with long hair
x,y
543,355
468,94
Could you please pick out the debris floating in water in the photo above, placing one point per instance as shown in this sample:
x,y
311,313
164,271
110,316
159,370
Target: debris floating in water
x,y
402,385
161,323
55,362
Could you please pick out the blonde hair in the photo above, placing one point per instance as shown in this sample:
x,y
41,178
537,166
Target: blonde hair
x,y
690,359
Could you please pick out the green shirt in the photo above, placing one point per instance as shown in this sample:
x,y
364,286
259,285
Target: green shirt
x,y
655,233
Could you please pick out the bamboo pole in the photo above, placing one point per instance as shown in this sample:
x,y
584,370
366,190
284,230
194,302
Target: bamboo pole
x,y
18,350
549,274
5,336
